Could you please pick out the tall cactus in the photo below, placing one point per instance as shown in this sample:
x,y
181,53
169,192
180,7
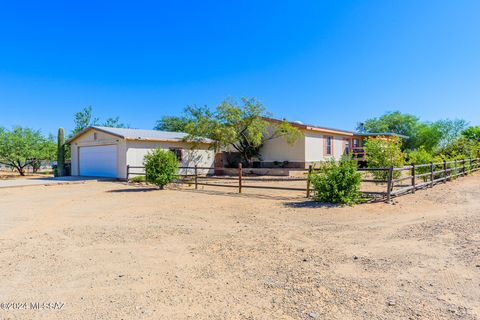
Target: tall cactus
x,y
61,153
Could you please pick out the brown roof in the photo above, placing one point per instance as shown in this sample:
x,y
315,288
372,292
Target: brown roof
x,y
313,127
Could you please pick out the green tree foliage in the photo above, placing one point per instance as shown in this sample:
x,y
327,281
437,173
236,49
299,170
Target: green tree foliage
x,y
23,147
450,130
472,133
418,157
241,127
161,167
461,148
396,122
431,135
383,153
84,119
337,182
172,124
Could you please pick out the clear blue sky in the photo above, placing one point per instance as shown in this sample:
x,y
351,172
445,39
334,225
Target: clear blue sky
x,y
330,63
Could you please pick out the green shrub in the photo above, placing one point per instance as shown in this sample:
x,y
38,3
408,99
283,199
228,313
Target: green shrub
x,y
337,182
161,167
138,179
420,156
384,153
462,148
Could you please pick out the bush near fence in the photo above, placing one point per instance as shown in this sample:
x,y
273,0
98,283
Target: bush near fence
x,y
397,181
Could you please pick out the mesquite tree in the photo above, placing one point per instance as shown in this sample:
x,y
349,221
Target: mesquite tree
x,y
23,147
240,127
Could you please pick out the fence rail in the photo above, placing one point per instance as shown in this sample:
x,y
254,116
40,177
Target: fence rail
x,y
391,180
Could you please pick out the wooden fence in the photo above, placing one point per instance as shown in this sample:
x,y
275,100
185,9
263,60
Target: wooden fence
x,y
388,182
243,178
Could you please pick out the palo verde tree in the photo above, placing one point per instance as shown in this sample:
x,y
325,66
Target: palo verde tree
x,y
240,127
23,147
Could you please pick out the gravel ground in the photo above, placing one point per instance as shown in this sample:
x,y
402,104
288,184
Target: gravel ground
x,y
104,250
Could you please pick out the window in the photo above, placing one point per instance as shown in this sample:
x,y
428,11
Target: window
x,y
328,145
177,152
347,146
355,143
94,136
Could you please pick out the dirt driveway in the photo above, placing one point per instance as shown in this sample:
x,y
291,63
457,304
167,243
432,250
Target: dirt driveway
x,y
104,250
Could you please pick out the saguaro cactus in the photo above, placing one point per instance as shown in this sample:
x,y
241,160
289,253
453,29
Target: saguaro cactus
x,y
61,153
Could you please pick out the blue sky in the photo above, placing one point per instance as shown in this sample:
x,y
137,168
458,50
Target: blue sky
x,y
331,63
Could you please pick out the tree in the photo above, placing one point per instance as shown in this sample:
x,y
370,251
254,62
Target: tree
x,y
161,167
393,122
461,148
172,124
428,136
241,127
114,122
472,133
431,135
450,130
22,147
84,119
384,153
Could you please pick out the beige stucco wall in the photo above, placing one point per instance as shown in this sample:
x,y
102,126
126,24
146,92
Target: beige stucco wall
x,y
315,149
308,149
87,139
279,150
201,156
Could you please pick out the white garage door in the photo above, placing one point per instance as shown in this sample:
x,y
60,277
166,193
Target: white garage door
x,y
98,161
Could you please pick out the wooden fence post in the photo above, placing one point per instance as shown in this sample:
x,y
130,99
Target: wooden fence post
x,y
471,165
308,180
413,177
431,174
445,171
240,178
463,167
196,177
455,170
389,183
128,171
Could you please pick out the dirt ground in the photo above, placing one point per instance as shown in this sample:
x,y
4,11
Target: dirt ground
x,y
106,250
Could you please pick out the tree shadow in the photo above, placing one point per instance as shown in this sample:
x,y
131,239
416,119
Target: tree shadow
x,y
242,195
312,204
148,189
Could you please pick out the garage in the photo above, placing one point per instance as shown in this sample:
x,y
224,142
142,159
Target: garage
x,y
98,161
108,152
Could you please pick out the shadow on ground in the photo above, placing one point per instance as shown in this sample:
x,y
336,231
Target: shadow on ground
x,y
242,195
311,204
133,190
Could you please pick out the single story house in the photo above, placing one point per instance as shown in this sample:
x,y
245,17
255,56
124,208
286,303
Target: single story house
x,y
106,152
316,145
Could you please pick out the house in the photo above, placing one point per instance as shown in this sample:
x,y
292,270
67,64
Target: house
x,y
316,145
106,152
